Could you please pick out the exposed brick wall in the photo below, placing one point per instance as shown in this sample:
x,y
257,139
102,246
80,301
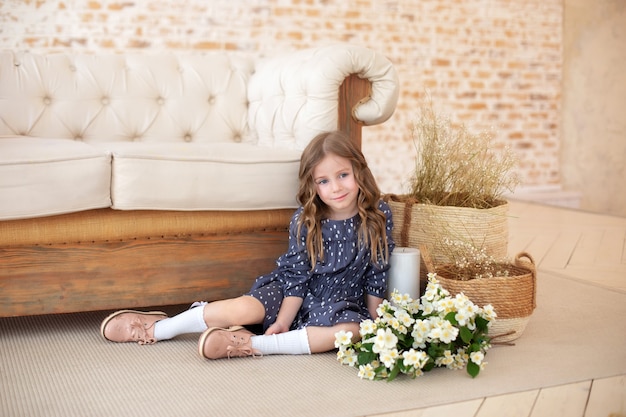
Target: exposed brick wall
x,y
491,64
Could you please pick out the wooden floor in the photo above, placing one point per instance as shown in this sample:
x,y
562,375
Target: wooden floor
x,y
578,245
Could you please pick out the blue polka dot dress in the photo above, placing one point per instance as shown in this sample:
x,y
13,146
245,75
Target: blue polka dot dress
x,y
334,291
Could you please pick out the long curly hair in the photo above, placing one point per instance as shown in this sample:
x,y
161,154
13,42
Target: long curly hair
x,y
372,230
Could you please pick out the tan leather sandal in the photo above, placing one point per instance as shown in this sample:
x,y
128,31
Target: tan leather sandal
x,y
217,342
131,326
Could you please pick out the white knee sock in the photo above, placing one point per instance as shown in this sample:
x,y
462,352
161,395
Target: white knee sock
x,y
295,342
190,321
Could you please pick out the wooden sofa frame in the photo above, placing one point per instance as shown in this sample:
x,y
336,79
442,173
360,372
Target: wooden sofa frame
x,y
109,259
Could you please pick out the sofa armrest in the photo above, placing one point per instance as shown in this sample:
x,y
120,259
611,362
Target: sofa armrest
x,y
295,96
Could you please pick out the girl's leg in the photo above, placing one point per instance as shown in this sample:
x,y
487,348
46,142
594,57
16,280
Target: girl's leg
x,y
218,343
242,310
189,321
303,341
322,339
150,327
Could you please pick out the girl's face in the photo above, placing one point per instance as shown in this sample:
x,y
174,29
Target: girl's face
x,y
336,186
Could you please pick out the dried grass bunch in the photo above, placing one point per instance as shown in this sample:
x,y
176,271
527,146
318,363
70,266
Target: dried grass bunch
x,y
455,167
465,262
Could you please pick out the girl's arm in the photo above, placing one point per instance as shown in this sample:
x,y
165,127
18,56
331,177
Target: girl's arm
x,y
287,312
372,304
376,278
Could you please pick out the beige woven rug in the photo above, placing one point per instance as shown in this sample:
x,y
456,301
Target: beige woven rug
x,y
60,366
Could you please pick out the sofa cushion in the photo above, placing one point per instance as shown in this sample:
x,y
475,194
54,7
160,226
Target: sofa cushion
x,y
208,176
40,177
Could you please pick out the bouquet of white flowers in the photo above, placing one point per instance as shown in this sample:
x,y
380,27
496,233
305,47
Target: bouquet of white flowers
x,y
414,336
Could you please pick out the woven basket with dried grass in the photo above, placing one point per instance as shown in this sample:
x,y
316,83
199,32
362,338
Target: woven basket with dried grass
x,y
456,189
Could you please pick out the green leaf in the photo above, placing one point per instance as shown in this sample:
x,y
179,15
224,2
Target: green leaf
x,y
365,357
394,372
408,342
481,324
466,334
473,369
434,350
451,317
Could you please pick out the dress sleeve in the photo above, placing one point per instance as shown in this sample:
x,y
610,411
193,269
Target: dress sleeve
x,y
294,267
376,276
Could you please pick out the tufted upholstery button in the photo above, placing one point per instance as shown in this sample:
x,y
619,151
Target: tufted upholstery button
x,y
78,137
160,101
237,138
187,137
47,100
105,100
73,68
211,100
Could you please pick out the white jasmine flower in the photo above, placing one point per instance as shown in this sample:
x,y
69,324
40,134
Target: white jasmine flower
x,y
347,356
382,308
444,331
445,305
404,318
445,360
430,294
416,358
367,327
366,372
461,300
477,357
464,315
488,312
385,340
343,338
413,307
400,299
388,357
428,308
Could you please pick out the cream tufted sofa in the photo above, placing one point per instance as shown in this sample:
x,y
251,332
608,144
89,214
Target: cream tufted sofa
x,y
144,180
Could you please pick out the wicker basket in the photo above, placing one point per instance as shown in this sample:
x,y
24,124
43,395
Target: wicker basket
x,y
513,297
418,225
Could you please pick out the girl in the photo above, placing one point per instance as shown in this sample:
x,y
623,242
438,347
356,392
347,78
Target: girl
x,y
333,276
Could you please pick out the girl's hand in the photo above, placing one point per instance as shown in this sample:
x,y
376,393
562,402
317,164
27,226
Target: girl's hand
x,y
276,328
287,312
